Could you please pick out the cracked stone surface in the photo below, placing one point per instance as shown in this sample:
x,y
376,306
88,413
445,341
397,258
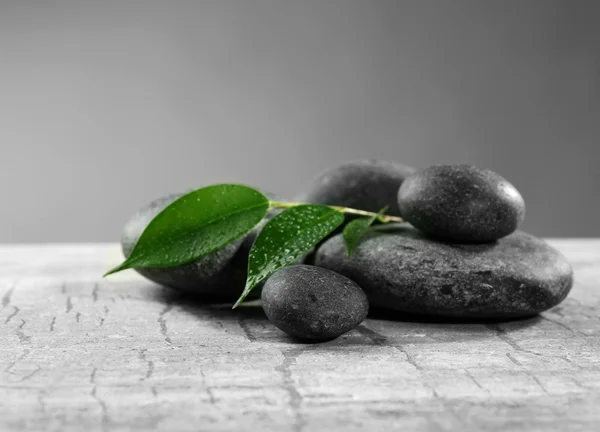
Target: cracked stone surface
x,y
79,352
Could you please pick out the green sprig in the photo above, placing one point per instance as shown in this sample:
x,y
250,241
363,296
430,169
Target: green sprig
x,y
207,219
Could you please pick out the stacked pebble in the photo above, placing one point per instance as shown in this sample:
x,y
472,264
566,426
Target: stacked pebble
x,y
460,256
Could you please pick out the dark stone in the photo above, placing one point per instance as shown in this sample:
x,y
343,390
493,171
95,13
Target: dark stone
x,y
400,268
221,274
461,203
313,303
365,184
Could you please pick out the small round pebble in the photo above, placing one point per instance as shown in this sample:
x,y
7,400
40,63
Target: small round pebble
x,y
461,203
313,303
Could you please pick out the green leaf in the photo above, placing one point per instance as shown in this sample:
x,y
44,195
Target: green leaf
x,y
357,228
197,224
286,237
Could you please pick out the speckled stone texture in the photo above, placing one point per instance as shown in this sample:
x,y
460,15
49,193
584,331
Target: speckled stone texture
x,y
400,268
365,184
313,303
220,274
461,203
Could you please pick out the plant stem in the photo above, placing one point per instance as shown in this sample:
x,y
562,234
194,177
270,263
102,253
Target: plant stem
x,y
382,218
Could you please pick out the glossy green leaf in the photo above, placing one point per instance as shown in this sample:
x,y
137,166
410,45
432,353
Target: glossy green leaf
x,y
197,224
286,237
358,228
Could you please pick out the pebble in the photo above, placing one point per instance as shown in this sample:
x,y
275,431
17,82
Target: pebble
x,y
313,303
365,184
401,268
461,203
221,274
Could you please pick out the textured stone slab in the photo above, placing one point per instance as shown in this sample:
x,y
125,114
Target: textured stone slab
x,y
82,353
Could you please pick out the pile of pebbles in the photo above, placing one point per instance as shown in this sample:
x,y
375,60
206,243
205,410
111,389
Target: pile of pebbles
x,y
460,254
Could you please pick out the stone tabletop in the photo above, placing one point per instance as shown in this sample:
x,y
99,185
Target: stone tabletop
x,y
79,352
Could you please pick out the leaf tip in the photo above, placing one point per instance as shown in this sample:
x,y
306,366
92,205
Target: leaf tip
x,y
244,294
349,246
123,266
238,302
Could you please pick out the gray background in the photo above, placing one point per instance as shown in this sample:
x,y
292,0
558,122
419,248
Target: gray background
x,y
107,105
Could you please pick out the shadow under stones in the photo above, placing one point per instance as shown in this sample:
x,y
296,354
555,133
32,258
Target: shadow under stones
x,y
261,330
216,306
251,309
393,315
360,338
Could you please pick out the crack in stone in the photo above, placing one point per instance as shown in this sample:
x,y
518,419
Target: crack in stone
x,y
53,323
514,360
95,292
150,369
372,335
470,375
69,305
243,323
243,387
26,352
41,402
289,359
429,386
209,390
7,297
93,376
102,319
103,408
557,311
12,315
409,358
580,384
149,365
29,375
568,360
448,406
433,425
539,383
558,323
211,395
23,338
503,335
163,323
